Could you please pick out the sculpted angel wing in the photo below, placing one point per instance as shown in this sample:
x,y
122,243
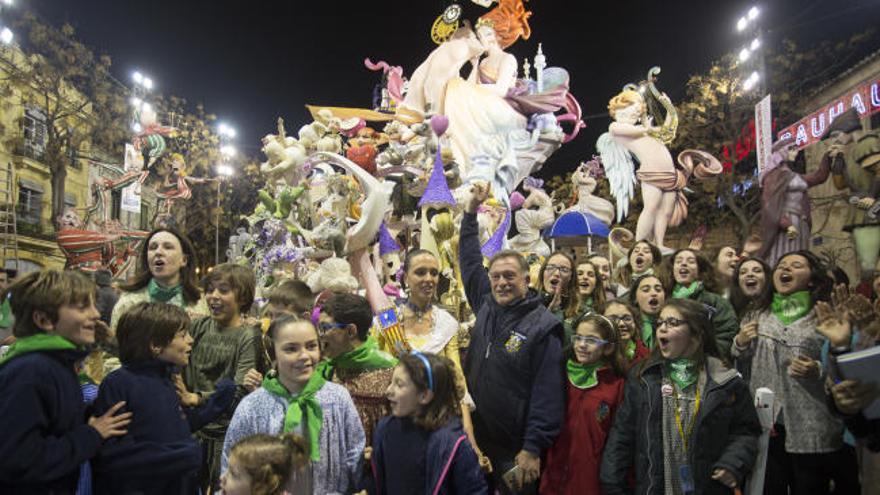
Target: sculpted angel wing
x,y
620,170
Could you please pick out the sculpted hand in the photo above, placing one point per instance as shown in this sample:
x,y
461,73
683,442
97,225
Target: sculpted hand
x,y
791,232
851,396
111,424
866,203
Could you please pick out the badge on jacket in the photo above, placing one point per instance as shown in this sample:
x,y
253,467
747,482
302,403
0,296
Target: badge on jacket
x,y
602,412
514,342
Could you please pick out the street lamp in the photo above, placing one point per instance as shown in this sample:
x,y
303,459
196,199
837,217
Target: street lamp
x,y
742,23
756,43
743,54
227,150
225,131
753,13
6,36
751,81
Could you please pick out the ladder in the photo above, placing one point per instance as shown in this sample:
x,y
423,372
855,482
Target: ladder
x,y
8,228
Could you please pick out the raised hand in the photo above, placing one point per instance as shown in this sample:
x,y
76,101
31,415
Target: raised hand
x,y
479,193
834,325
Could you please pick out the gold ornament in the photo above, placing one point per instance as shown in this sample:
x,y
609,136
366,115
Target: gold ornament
x,y
446,24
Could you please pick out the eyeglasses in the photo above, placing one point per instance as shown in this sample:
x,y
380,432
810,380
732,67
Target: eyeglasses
x,y
620,319
589,340
671,322
326,327
563,270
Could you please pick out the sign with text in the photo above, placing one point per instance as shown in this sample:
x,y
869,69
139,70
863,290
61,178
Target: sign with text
x,y
763,132
865,98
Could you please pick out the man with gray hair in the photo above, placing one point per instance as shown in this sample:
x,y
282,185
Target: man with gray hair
x,y
514,366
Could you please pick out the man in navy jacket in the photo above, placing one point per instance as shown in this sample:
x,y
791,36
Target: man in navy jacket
x,y
514,366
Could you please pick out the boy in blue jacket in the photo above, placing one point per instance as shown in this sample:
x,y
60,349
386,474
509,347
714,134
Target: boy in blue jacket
x,y
159,454
46,431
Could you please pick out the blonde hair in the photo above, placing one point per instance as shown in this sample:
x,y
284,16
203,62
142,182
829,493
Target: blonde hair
x,y
624,99
270,460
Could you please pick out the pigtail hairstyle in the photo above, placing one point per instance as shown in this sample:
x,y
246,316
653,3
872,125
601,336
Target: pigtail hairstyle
x,y
441,381
270,461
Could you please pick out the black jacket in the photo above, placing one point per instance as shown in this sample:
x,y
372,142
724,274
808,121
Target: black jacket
x,y
725,435
513,366
158,455
45,437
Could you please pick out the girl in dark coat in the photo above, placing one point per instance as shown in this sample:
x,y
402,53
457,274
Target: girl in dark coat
x,y
595,371
421,447
687,421
159,454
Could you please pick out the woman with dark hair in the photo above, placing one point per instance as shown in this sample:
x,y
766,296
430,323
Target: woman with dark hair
x,y
750,287
590,288
724,260
559,285
166,273
641,260
780,348
648,295
694,278
687,421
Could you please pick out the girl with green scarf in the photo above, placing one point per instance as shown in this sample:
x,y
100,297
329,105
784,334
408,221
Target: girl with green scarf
x,y
780,348
596,376
294,398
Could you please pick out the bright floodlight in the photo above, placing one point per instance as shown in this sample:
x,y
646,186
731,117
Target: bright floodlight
x,y
755,76
225,130
227,150
743,54
6,36
741,23
224,170
138,77
755,44
753,13
148,83
136,127
135,101
7,2
146,107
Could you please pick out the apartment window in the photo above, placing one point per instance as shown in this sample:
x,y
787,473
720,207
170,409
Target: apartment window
x,y
116,204
145,216
30,201
34,128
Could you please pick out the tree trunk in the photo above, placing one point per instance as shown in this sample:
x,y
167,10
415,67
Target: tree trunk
x,y
59,178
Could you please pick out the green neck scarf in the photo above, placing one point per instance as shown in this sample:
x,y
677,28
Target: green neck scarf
x,y
5,314
634,276
630,350
296,404
682,371
648,331
584,375
792,307
367,356
682,292
35,343
587,304
163,294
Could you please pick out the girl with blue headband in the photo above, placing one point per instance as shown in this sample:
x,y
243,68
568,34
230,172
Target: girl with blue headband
x,y
421,447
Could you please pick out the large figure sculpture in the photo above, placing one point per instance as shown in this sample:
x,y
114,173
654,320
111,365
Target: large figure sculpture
x,y
785,205
632,134
584,181
535,215
864,190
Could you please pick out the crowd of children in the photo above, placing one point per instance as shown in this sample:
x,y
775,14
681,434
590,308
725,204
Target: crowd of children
x,y
653,391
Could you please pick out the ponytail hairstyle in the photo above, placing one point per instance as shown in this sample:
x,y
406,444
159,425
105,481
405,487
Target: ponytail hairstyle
x,y
608,331
270,461
430,372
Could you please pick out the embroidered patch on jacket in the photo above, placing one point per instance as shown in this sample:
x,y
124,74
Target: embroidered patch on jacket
x,y
514,342
602,412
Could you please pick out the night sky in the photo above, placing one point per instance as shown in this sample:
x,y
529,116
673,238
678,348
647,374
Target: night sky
x,y
250,62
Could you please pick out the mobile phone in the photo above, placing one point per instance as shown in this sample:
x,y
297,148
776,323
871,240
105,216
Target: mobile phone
x,y
511,477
